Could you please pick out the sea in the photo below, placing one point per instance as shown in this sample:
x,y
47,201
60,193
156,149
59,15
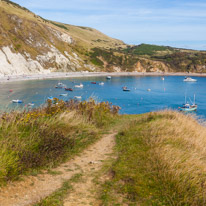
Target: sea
x,y
147,93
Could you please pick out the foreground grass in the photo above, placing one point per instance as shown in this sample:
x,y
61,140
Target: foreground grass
x,y
48,136
161,161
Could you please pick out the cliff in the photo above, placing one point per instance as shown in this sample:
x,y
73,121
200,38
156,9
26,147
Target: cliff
x,y
31,44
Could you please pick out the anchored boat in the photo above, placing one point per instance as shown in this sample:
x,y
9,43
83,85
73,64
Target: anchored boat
x,y
68,89
60,85
17,101
125,89
188,107
109,77
63,95
189,79
79,86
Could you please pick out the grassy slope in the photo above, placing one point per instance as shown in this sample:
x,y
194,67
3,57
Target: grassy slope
x,y
46,137
90,38
161,161
84,36
114,53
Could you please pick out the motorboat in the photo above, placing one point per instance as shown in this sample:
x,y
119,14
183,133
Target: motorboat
x,y
17,101
30,104
109,77
60,85
77,97
79,86
101,83
50,98
93,82
63,95
189,79
68,89
125,89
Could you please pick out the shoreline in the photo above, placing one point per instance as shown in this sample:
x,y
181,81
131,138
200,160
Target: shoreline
x,y
56,75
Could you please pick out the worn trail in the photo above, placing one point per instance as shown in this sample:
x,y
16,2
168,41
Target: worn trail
x,y
34,188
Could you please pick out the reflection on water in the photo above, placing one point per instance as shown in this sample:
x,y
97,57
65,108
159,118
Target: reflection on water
x,y
169,93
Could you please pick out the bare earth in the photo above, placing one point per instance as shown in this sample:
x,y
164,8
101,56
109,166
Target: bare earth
x,y
32,189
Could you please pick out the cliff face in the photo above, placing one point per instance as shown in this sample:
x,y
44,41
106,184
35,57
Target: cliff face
x,y
28,44
31,44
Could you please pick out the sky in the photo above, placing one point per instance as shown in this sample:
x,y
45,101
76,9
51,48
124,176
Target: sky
x,y
177,23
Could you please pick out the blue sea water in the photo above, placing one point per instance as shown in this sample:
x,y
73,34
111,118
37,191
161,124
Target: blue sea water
x,y
169,93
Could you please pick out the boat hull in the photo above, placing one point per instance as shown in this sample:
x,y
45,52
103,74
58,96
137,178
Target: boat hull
x,y
191,109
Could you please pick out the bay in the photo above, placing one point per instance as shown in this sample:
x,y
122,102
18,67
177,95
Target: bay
x,y
167,94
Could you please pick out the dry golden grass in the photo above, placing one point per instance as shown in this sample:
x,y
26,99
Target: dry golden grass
x,y
162,161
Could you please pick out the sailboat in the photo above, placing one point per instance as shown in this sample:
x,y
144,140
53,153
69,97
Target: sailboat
x,y
186,107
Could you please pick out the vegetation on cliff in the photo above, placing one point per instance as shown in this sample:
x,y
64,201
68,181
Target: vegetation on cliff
x,y
88,49
47,136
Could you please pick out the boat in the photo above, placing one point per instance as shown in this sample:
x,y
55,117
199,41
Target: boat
x,y
50,98
77,97
149,90
30,104
93,82
60,85
109,77
162,78
101,83
79,86
189,79
188,107
63,95
125,89
17,101
68,89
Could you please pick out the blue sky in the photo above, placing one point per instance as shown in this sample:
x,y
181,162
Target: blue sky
x,y
178,23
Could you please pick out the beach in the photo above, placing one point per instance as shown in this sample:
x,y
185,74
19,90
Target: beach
x,y
56,75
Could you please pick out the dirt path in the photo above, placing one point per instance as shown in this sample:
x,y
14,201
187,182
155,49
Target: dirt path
x,y
84,193
34,188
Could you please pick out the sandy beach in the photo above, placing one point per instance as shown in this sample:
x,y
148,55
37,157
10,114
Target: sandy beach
x,y
56,75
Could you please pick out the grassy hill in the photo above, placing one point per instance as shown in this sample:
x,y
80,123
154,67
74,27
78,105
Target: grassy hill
x,y
161,161
160,156
55,46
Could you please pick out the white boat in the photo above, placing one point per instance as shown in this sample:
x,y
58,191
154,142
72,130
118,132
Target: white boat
x,y
63,95
148,90
101,83
50,98
109,77
17,101
79,86
162,78
77,97
189,79
60,85
30,104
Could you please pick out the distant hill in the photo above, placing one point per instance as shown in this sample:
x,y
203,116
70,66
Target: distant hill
x,y
31,44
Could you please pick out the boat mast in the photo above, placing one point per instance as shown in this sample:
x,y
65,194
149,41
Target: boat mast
x,y
194,99
185,98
